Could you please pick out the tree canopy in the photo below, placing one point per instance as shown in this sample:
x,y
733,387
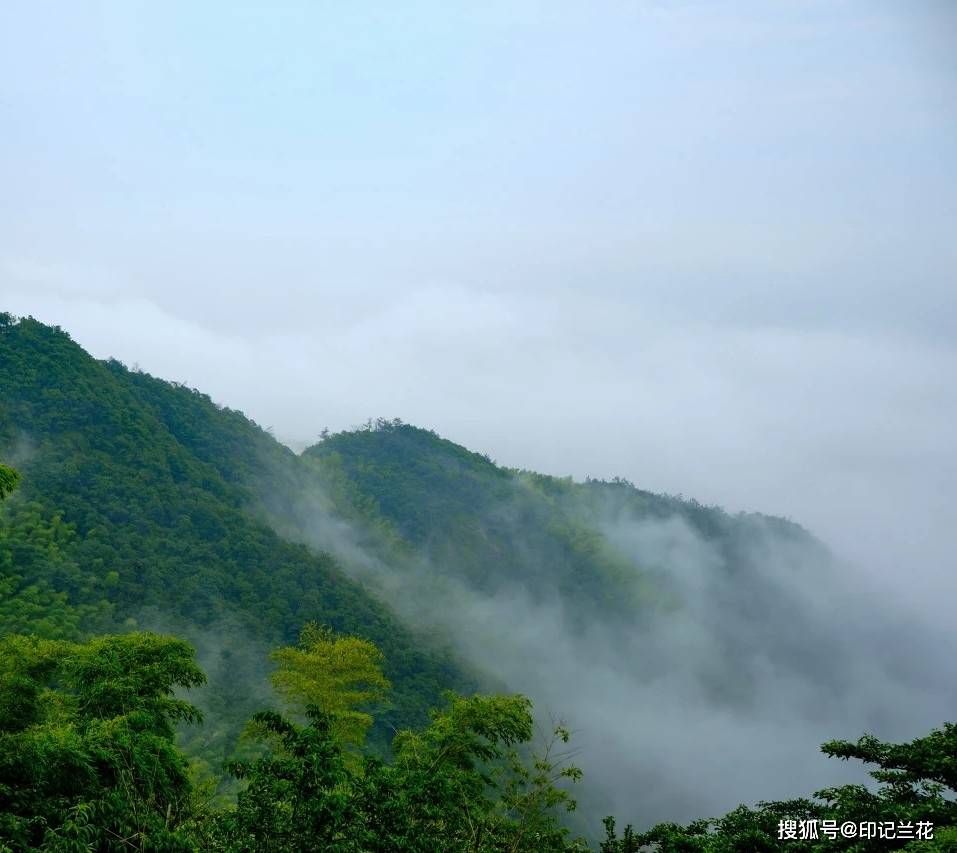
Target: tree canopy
x,y
89,760
338,675
9,480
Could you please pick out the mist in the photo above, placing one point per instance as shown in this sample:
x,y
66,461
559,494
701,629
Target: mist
x,y
707,247
752,652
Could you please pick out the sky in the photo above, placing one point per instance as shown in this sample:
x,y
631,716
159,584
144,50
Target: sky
x,y
710,247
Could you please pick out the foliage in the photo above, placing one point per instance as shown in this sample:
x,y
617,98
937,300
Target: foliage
x,y
9,480
87,752
296,798
88,761
457,785
497,528
339,675
918,781
473,519
142,504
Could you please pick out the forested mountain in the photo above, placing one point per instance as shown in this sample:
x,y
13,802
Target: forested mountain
x,y
148,495
139,509
659,629
495,528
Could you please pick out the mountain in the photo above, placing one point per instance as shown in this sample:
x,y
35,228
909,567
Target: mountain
x,y
495,528
660,629
139,507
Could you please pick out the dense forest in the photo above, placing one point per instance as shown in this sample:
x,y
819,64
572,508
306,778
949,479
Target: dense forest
x,y
138,509
211,642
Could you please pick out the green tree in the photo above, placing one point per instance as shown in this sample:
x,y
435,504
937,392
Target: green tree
x,y
457,785
468,782
918,783
9,480
297,798
341,676
87,753
145,498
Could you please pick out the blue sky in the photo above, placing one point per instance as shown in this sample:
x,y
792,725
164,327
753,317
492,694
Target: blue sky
x,y
708,246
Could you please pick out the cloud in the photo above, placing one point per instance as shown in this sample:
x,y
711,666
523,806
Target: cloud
x,y
847,432
760,648
707,247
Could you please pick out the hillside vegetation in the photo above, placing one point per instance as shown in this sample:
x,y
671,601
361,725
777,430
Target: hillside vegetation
x,y
208,641
139,508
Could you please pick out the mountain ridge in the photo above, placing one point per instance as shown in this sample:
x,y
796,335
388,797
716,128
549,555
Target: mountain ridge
x,y
144,503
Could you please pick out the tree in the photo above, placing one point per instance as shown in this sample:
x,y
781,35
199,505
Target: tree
x,y
456,785
297,798
9,480
910,768
464,783
87,753
340,676
918,784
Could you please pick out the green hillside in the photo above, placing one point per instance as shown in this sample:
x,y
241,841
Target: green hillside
x,y
498,529
139,508
145,504
135,507
473,520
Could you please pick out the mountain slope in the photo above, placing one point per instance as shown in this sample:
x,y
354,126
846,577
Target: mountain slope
x,y
475,521
138,506
659,628
498,529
